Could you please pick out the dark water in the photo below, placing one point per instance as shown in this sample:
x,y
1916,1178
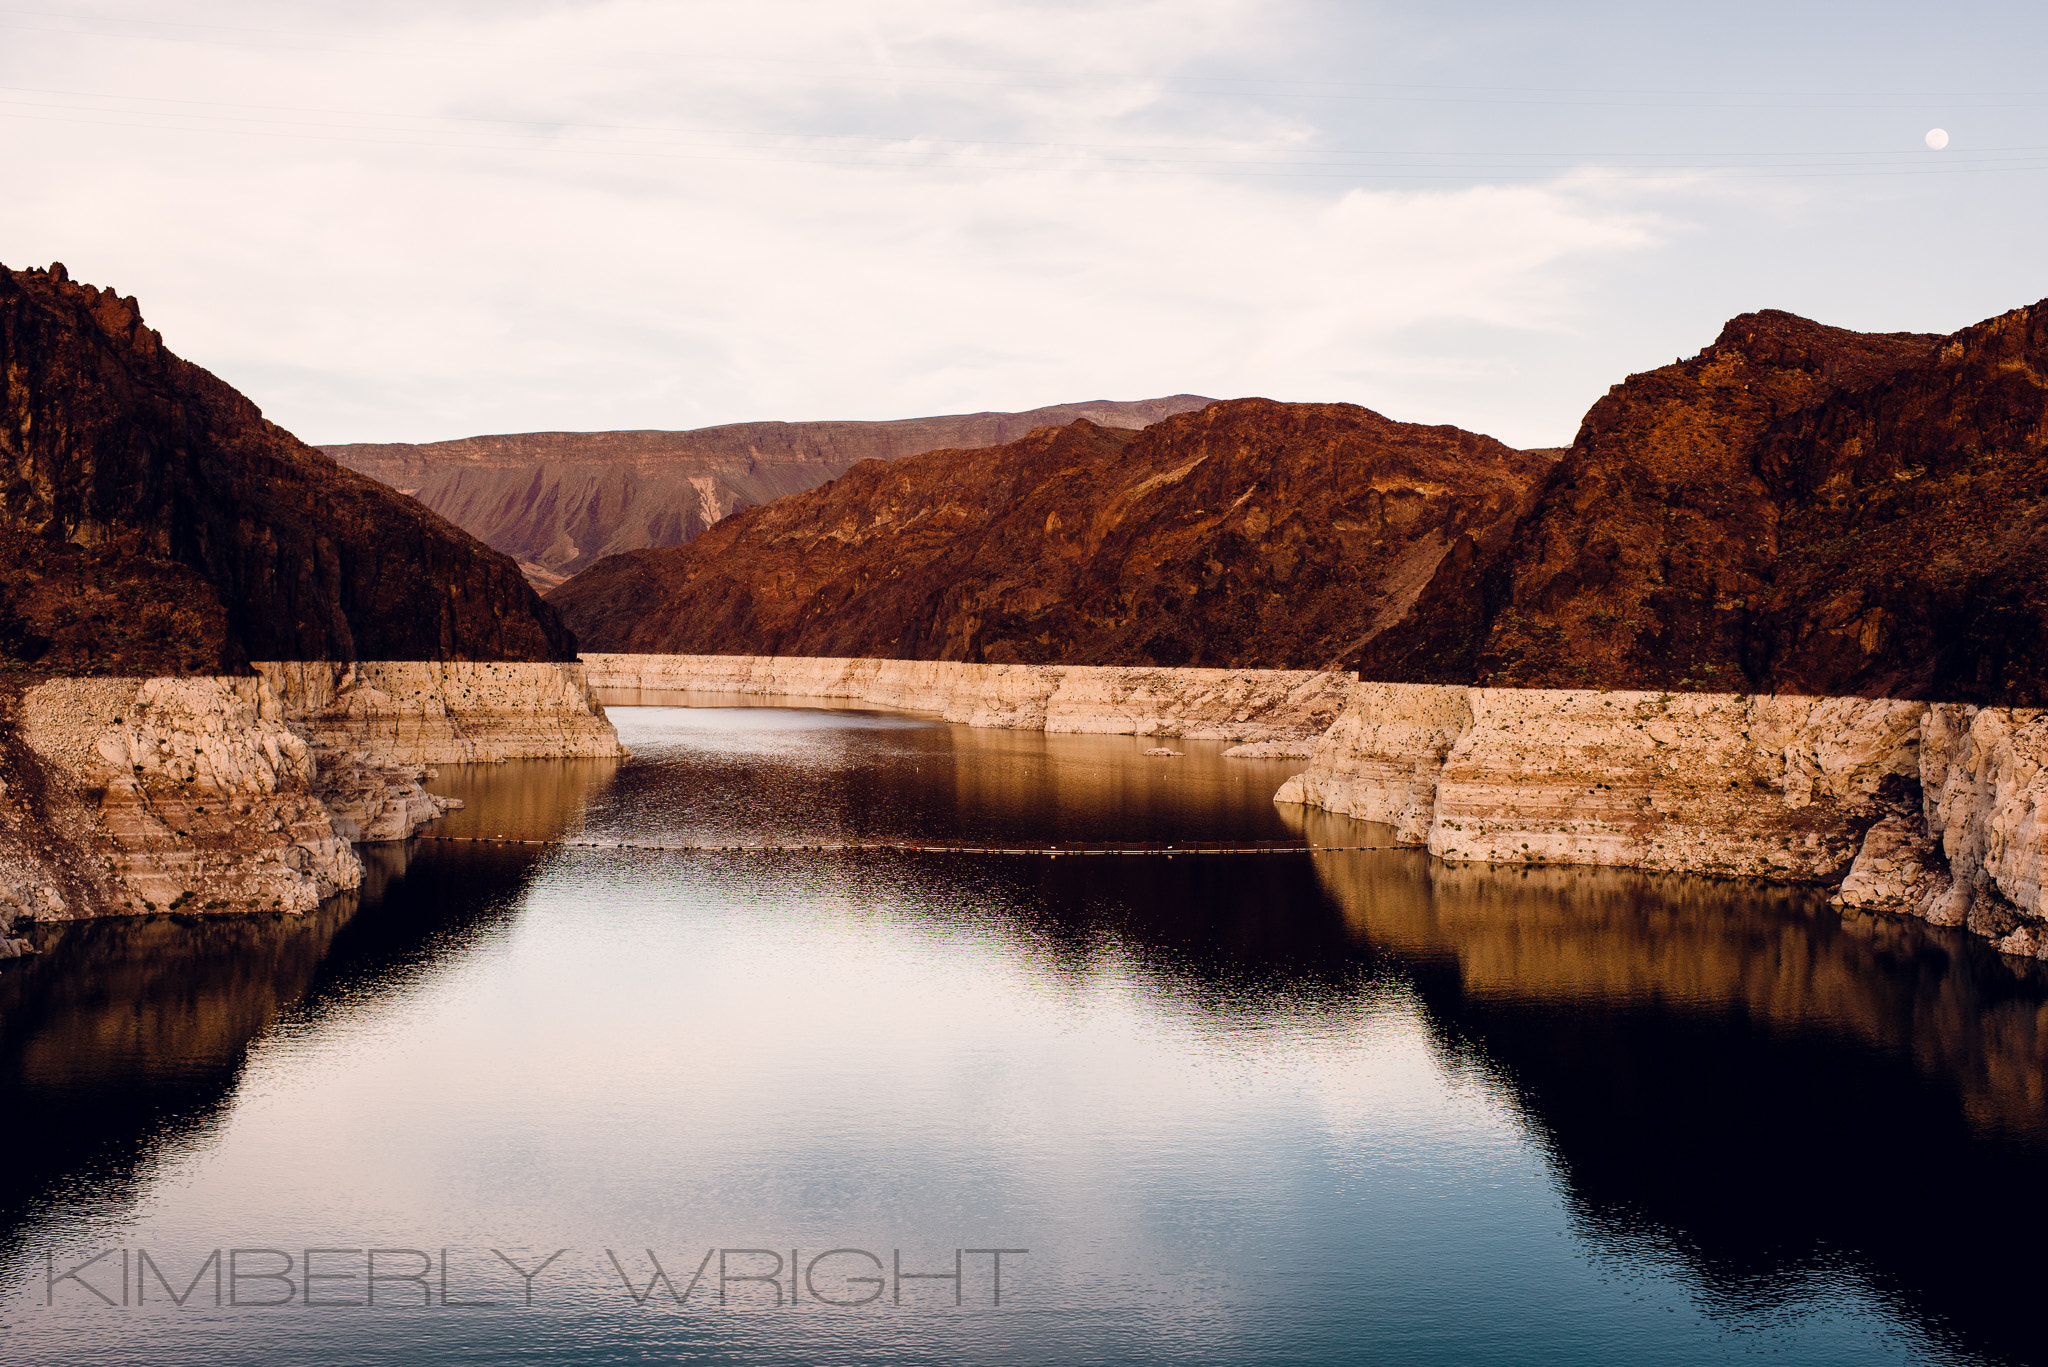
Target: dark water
x,y
1351,1108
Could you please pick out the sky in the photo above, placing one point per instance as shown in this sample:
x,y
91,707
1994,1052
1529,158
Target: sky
x,y
415,221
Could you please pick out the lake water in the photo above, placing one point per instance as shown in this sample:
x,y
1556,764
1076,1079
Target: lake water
x,y
1273,1109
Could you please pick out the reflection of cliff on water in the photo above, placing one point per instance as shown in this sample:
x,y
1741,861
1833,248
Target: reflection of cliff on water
x,y
1103,788
834,772
126,1034
1779,957
1774,1090
535,799
122,1042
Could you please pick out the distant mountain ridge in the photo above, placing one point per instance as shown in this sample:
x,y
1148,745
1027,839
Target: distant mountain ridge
x,y
558,501
1249,534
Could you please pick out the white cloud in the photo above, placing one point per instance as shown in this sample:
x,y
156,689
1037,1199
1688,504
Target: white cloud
x,y
423,221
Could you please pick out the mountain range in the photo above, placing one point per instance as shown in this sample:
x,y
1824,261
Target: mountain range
x,y
560,501
1251,533
1796,509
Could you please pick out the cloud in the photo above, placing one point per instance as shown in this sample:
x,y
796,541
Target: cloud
x,y
421,223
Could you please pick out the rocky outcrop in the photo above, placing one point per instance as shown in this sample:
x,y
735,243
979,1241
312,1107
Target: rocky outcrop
x,y
157,537
153,523
1938,810
1253,705
1797,510
247,793
1250,535
1974,851
444,712
560,501
179,794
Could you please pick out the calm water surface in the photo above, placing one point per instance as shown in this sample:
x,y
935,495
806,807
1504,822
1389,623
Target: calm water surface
x,y
1349,1108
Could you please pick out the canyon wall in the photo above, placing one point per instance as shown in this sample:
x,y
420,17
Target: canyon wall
x,y
1798,509
152,522
1255,705
1249,535
247,793
1935,810
444,711
559,501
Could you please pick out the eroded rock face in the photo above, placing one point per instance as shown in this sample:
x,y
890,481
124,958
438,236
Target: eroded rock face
x,y
1938,810
1914,531
154,523
558,502
1381,760
444,712
1798,509
248,793
1251,705
198,795
1251,534
1987,802
1705,783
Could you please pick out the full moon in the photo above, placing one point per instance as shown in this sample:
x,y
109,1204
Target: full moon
x,y
1937,138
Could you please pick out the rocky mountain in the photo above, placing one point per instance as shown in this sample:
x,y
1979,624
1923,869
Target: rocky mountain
x,y
152,522
1797,509
1250,533
559,501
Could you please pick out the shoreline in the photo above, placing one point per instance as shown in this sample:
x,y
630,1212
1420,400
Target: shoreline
x,y
1932,810
248,793
220,794
1247,706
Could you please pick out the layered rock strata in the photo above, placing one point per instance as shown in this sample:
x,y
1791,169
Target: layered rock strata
x,y
183,794
247,793
1938,810
1253,705
444,711
559,501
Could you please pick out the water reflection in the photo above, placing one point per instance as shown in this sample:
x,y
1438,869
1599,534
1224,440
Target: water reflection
x,y
125,1036
539,799
1775,1090
124,1039
716,773
1258,1109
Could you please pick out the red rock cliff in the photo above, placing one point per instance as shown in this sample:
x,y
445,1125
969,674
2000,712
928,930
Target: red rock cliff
x,y
1251,534
153,522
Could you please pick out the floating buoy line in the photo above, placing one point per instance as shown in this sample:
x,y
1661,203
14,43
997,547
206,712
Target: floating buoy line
x,y
1204,847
